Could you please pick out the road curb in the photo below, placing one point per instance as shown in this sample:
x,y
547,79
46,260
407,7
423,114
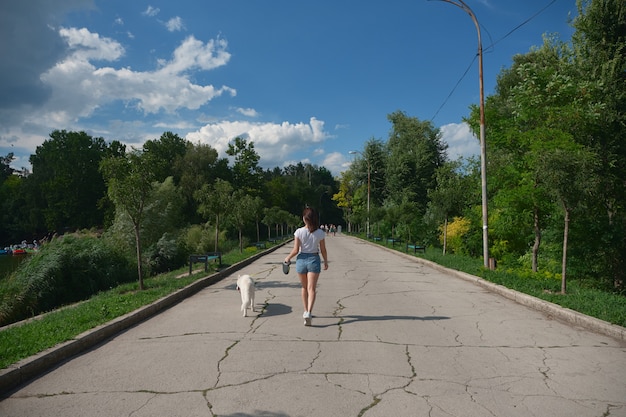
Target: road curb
x,y
27,369
551,310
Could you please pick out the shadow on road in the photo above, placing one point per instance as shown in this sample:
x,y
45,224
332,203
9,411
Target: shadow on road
x,y
352,319
276,309
256,414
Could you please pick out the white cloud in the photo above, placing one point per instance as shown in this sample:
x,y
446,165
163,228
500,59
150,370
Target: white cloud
x,y
247,112
194,54
273,142
151,11
336,163
79,87
461,142
90,46
175,24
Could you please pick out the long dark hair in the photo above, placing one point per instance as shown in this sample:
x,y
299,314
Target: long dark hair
x,y
311,219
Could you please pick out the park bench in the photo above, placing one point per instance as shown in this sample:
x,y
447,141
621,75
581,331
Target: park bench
x,y
415,247
272,240
260,245
393,241
205,258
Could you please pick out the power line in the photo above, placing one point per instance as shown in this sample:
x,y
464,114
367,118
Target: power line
x,y
491,46
521,24
454,88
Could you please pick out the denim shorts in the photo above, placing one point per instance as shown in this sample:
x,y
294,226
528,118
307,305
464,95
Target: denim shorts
x,y
308,262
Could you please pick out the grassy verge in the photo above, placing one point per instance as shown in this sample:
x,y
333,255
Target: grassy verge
x,y
581,296
24,340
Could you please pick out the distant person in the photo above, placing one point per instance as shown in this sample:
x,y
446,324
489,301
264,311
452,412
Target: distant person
x,y
308,244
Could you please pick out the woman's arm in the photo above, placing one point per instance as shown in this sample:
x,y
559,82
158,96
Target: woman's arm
x,y
294,251
324,254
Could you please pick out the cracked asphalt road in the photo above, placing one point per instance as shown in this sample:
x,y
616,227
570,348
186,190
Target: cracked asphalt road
x,y
390,337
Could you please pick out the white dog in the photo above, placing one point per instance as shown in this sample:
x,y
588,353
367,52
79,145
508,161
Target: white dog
x,y
245,285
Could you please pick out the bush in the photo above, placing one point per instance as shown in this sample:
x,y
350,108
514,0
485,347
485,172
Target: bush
x,y
66,270
167,254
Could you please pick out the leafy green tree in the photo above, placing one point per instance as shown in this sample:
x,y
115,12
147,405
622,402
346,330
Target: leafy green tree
x,y
599,42
345,196
537,101
9,188
278,191
247,175
256,208
199,165
130,183
67,181
215,201
569,172
165,153
273,217
242,213
415,152
5,166
376,153
449,198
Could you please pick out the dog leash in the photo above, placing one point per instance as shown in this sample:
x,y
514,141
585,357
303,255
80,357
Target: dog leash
x,y
265,270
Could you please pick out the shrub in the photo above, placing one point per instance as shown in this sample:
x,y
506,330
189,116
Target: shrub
x,y
167,254
457,229
66,270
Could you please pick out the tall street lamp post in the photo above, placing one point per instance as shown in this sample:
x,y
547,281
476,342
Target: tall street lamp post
x,y
368,190
483,154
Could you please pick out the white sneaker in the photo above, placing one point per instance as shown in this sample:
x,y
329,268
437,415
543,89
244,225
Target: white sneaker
x,y
307,318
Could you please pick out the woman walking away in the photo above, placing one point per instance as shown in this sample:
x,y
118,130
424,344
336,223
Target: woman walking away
x,y
308,244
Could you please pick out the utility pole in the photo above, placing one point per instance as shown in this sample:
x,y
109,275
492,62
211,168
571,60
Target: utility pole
x,y
483,151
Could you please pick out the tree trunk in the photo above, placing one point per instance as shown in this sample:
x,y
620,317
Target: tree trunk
x,y
138,246
537,240
217,231
564,265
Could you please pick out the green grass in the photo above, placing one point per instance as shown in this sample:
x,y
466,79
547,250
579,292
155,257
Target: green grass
x,y
21,341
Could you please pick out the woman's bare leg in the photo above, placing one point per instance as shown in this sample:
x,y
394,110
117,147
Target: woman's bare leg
x,y
311,290
305,296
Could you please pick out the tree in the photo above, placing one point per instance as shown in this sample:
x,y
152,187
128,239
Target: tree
x,y
215,200
14,213
67,180
130,181
538,101
247,174
199,165
273,217
5,166
600,63
415,151
449,197
242,213
344,197
256,209
569,173
165,153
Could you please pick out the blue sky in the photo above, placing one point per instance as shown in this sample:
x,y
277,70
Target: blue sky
x,y
304,81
